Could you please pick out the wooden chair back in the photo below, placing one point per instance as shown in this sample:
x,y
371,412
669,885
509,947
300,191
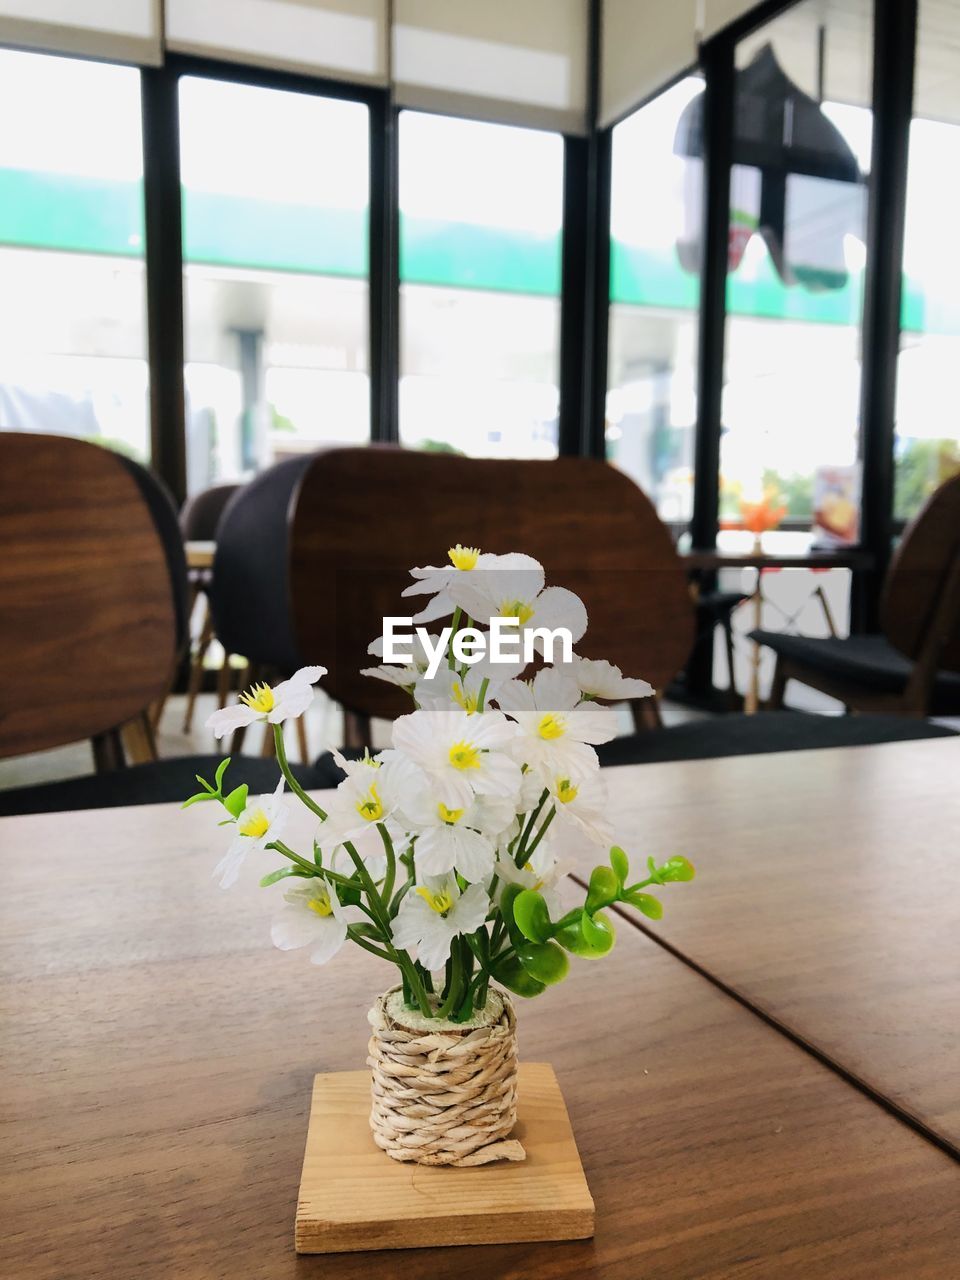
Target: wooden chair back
x,y
918,578
88,628
361,518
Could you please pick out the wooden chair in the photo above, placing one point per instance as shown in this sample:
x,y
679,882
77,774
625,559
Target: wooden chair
x,y
911,667
199,520
89,619
362,517
92,623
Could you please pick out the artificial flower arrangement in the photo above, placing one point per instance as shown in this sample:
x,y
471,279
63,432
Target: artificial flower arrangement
x,y
445,853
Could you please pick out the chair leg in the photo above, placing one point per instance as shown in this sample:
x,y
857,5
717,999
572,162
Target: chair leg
x,y
302,740
139,741
728,644
196,669
778,688
268,748
356,729
108,751
646,713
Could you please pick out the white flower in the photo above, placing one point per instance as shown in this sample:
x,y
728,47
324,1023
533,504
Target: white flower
x,y
464,839
542,871
601,679
436,580
313,917
432,914
554,729
285,701
261,822
449,689
365,800
463,755
403,676
514,589
581,810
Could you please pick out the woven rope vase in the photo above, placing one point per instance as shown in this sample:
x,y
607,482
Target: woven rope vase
x,y
444,1097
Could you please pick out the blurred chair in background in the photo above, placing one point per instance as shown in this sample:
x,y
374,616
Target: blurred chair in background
x,y
249,592
912,667
93,623
199,520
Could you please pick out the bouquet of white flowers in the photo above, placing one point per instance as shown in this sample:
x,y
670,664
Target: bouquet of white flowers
x,y
443,854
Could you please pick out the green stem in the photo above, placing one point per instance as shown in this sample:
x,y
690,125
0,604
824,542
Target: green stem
x,y
481,696
291,781
453,992
525,836
294,857
367,946
539,836
391,875
454,626
400,958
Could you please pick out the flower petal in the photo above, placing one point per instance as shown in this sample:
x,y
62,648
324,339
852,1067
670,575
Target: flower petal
x,y
227,719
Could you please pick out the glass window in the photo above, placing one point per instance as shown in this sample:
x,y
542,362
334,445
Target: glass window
x,y
802,129
481,209
928,419
275,225
72,319
655,205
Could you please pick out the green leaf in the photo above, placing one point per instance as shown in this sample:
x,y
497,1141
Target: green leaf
x,y
532,917
620,863
201,795
511,974
350,897
604,888
508,897
544,961
317,854
590,937
676,868
280,874
206,785
221,770
236,801
645,903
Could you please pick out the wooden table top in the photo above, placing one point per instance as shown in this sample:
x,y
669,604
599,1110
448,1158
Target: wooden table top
x,y
719,558
158,1054
829,900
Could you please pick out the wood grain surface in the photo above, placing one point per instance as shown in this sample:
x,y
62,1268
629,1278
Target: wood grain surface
x,y
353,1198
587,523
828,898
158,1055
87,621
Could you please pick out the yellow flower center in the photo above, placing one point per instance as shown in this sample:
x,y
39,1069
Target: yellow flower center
x,y
530,872
259,698
464,557
466,700
371,806
551,726
566,791
464,756
449,815
321,903
516,609
440,900
255,824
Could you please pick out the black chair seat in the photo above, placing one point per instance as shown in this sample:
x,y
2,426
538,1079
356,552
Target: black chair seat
x,y
869,661
721,604
162,782
741,735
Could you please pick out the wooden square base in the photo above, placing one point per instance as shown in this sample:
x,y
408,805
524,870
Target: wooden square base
x,y
353,1196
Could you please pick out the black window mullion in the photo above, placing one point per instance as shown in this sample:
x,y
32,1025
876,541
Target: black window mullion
x,y
384,283
164,275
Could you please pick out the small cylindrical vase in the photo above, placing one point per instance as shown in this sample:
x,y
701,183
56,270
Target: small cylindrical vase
x,y
444,1093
